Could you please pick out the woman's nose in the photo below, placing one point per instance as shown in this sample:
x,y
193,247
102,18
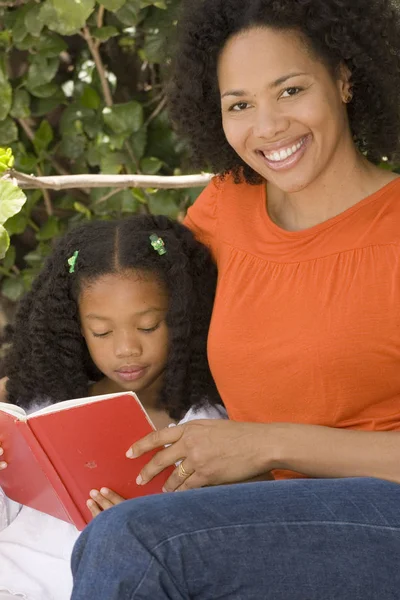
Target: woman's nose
x,y
270,123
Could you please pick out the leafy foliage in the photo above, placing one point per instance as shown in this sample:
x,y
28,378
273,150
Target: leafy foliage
x,y
81,91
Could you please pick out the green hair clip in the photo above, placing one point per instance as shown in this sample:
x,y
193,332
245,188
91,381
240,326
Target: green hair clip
x,y
158,244
72,261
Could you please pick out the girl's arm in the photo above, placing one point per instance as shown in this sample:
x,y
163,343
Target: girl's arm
x,y
328,452
3,393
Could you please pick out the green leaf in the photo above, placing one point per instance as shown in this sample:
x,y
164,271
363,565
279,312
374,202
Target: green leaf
x,y
17,224
112,163
124,118
4,242
81,208
49,230
153,49
138,142
43,106
45,91
164,202
90,98
41,71
43,137
6,159
5,96
73,146
104,33
9,259
67,18
8,132
151,165
50,45
129,14
21,105
12,288
112,5
19,29
5,39
34,21
12,200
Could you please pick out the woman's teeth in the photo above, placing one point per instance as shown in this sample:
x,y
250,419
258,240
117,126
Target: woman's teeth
x,y
284,153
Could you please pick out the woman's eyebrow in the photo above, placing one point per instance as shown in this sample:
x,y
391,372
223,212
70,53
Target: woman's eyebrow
x,y
274,84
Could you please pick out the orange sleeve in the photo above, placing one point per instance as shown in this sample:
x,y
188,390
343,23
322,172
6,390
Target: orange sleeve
x,y
202,217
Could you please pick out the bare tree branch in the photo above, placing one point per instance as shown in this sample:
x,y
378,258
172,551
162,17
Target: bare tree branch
x,y
63,182
94,51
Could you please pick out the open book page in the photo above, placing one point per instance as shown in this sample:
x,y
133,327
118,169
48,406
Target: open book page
x,y
68,404
14,410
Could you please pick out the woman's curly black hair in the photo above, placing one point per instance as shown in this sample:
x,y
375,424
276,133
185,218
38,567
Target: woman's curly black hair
x,y
362,34
49,358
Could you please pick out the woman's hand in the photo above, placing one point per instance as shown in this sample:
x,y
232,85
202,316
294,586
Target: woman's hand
x,y
213,452
103,500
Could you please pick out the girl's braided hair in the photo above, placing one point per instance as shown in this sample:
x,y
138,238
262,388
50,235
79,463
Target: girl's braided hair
x,y
49,357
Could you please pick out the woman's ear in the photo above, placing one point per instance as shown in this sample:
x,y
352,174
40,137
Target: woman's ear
x,y
345,85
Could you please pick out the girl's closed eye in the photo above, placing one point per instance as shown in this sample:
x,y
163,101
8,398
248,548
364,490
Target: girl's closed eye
x,y
101,335
149,329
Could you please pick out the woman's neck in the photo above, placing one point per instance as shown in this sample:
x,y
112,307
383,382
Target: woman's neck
x,y
345,183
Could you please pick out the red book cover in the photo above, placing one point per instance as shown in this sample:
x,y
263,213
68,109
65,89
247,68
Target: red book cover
x,y
57,455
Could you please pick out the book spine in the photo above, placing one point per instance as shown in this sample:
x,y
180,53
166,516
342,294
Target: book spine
x,y
72,513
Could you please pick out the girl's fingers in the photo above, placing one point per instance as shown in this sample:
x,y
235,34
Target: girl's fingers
x,y
100,500
93,507
156,439
111,496
3,465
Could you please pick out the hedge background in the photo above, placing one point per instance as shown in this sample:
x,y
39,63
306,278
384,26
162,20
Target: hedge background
x,y
82,90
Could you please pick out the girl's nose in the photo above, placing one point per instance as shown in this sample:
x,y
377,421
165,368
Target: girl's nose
x,y
126,346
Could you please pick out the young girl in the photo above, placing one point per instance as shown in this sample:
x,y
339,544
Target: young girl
x,y
119,305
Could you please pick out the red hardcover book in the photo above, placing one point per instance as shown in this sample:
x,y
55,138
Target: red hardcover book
x,y
57,455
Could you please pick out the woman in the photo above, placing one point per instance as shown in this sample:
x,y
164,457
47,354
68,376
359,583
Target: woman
x,y
293,102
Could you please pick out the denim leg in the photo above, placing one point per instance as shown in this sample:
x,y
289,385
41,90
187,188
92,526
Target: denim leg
x,y
284,540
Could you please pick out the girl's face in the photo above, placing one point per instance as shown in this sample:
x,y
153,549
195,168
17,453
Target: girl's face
x,y
282,111
123,323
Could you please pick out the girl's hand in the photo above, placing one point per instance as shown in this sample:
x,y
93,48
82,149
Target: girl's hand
x,y
213,452
103,500
3,464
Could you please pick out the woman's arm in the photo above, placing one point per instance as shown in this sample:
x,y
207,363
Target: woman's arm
x,y
327,452
219,452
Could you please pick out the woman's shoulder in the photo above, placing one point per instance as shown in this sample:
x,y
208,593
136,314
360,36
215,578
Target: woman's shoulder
x,y
224,203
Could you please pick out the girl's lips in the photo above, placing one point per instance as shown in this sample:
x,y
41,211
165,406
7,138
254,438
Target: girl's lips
x,y
131,374
289,162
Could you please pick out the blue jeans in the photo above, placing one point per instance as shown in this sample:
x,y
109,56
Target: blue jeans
x,y
285,540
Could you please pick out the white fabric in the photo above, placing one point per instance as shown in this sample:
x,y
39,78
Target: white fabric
x,y
35,548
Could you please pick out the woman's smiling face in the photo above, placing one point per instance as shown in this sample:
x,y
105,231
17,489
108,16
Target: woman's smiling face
x,y
282,110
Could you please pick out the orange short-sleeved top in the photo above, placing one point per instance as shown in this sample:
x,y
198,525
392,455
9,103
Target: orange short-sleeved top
x,y
306,324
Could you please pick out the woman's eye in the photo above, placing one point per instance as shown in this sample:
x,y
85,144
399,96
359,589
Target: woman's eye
x,y
101,335
292,91
239,106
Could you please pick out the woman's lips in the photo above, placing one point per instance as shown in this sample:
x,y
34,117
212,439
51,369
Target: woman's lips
x,y
277,160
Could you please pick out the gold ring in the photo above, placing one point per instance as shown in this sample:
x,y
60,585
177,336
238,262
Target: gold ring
x,y
182,472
